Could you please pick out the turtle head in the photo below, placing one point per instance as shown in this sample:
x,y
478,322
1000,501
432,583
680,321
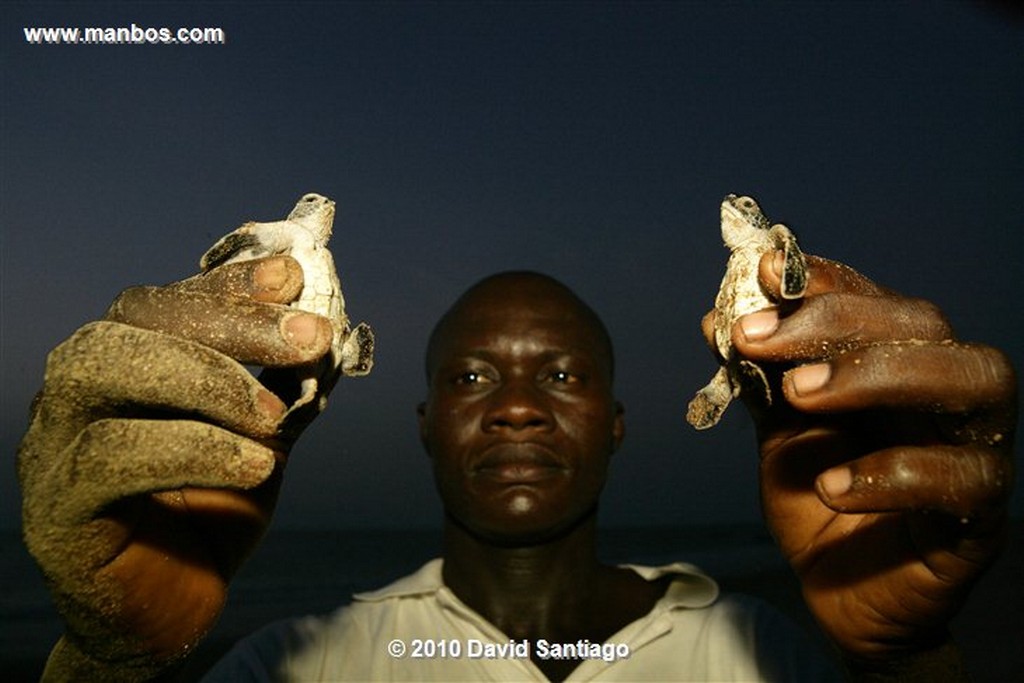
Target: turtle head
x,y
315,212
742,221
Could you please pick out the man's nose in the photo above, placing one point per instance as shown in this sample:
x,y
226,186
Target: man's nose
x,y
518,405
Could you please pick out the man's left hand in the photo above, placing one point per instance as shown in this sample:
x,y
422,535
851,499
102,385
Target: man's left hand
x,y
886,465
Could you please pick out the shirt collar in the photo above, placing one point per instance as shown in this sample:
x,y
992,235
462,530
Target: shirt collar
x,y
426,579
690,587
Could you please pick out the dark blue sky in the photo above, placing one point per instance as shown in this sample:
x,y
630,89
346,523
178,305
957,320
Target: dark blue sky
x,y
590,141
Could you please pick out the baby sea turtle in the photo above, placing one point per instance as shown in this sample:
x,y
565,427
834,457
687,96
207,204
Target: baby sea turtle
x,y
749,235
303,235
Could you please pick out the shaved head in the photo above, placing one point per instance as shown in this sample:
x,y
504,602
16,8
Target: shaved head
x,y
525,288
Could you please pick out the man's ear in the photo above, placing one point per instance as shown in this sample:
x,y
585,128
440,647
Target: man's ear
x,y
618,426
421,418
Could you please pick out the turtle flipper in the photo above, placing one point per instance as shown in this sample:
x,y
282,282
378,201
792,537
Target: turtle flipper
x,y
357,351
233,244
794,265
752,382
706,408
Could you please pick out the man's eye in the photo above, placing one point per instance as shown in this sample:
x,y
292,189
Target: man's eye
x,y
470,378
563,377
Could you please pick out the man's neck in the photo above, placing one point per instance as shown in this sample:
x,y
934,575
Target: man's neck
x,y
556,589
534,590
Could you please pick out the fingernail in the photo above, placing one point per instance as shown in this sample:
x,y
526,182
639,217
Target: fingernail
x,y
253,464
270,404
778,263
807,379
270,275
836,482
301,329
760,325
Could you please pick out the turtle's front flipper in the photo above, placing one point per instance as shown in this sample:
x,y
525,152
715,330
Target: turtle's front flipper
x,y
707,406
794,265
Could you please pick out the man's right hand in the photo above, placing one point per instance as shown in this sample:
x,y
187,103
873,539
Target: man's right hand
x,y
153,460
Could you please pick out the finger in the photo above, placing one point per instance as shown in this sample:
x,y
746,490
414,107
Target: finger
x,y
707,329
919,478
250,332
276,279
826,324
107,369
945,377
115,459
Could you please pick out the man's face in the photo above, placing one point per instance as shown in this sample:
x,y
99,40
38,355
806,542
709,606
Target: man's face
x,y
520,419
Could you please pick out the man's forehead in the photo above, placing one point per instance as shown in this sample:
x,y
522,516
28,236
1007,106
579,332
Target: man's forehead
x,y
518,289
512,308
531,334
518,300
525,324
523,305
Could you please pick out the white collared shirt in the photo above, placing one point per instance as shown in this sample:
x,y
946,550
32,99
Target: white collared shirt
x,y
416,629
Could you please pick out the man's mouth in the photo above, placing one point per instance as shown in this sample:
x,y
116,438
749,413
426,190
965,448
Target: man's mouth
x,y
518,463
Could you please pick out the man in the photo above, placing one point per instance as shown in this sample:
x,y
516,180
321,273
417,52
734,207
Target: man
x,y
885,474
